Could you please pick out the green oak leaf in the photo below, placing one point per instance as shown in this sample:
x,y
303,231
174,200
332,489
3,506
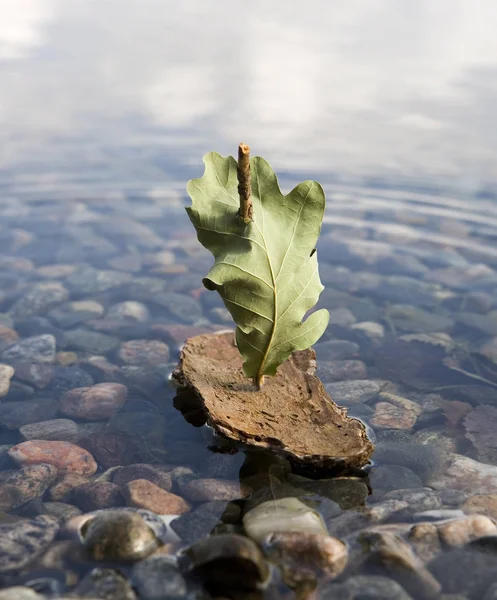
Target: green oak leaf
x,y
266,271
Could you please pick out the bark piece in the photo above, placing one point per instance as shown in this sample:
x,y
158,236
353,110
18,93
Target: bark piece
x,y
292,414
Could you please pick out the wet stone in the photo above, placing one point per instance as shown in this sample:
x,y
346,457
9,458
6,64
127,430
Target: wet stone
x,y
105,583
68,378
143,471
6,374
306,557
19,593
39,299
65,456
118,535
459,532
372,587
336,350
109,448
25,485
416,320
228,563
88,281
61,510
347,492
64,486
40,348
35,374
144,353
395,412
100,401
179,306
286,514
18,391
132,311
346,393
145,494
482,504
340,370
14,415
54,429
156,578
96,495
199,523
89,341
385,478
8,337
425,540
208,490
418,498
24,541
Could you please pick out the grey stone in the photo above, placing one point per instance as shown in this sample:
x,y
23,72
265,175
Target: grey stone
x,y
385,478
89,341
55,429
367,587
107,584
6,374
199,523
157,578
352,392
39,299
179,306
16,414
39,348
24,541
88,280
336,350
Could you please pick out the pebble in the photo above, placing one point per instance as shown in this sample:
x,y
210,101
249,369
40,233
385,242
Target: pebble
x,y
89,341
306,557
286,514
109,448
61,510
483,504
385,478
463,473
179,306
399,561
63,487
24,541
459,532
208,490
352,392
157,577
372,587
143,471
131,311
226,563
39,299
19,593
198,523
38,375
8,337
425,540
145,494
118,535
88,281
96,495
336,350
105,583
100,401
38,348
25,485
65,456
148,353
54,429
14,415
418,498
6,374
340,370
395,412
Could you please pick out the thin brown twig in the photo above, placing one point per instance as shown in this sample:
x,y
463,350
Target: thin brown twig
x,y
244,185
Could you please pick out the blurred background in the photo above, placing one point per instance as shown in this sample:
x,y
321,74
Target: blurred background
x,y
116,96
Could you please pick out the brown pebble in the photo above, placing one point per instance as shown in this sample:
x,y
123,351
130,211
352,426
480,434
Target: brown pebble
x,y
146,353
24,485
482,504
145,494
461,531
96,495
110,448
63,487
100,401
143,471
207,490
65,456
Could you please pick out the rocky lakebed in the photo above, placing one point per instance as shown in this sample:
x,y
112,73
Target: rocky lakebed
x,y
109,492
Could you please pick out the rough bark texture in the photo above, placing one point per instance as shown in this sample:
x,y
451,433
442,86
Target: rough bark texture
x,y
292,414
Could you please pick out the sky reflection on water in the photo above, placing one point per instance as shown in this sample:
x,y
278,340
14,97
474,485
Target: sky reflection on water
x,y
123,93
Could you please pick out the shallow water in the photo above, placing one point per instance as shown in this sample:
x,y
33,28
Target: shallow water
x,y
105,112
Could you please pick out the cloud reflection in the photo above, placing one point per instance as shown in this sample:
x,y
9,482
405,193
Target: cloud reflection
x,y
393,89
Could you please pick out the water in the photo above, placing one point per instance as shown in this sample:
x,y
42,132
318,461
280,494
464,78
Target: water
x,y
105,112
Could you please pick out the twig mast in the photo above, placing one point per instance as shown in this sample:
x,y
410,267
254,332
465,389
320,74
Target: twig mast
x,y
244,186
